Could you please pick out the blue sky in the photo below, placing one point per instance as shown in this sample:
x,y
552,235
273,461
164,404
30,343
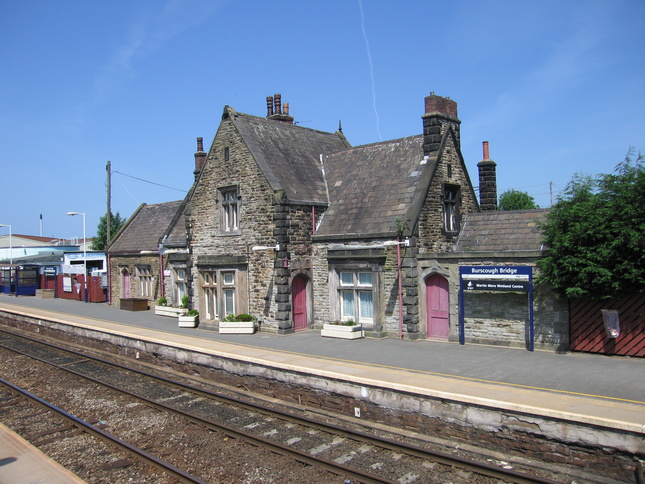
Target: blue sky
x,y
557,88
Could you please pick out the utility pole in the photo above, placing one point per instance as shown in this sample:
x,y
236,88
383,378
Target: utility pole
x,y
108,215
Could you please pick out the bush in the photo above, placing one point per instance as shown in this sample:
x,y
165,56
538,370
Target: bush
x,y
162,301
184,301
596,233
192,312
349,322
231,318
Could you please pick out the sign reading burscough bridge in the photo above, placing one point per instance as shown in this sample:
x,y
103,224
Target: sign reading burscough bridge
x,y
496,278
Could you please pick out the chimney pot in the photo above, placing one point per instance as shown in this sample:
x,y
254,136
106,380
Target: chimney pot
x,y
440,115
285,108
200,157
277,99
487,181
269,106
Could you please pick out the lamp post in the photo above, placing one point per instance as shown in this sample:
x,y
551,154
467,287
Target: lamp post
x,y
10,248
84,254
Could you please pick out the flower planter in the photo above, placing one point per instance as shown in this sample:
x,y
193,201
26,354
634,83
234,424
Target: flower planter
x,y
237,327
188,321
170,311
340,331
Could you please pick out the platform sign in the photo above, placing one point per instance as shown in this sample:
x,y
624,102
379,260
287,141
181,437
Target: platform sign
x,y
506,286
506,273
497,279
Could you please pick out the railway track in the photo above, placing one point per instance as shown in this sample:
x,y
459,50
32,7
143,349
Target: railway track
x,y
76,425
348,454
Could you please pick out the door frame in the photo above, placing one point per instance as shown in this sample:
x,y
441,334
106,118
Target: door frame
x,y
308,300
423,309
126,283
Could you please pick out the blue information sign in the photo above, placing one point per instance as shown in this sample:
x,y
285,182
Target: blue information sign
x,y
498,279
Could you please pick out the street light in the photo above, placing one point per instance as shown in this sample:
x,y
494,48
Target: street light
x,y
10,248
84,253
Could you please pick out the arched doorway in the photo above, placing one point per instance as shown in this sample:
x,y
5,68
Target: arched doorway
x,y
125,283
299,300
437,307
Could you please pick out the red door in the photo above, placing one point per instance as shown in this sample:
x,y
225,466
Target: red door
x,y
299,298
437,307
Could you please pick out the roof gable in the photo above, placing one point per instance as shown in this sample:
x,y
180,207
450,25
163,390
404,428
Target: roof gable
x,y
289,155
146,227
371,186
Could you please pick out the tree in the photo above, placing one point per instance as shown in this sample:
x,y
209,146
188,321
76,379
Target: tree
x,y
116,222
596,234
516,200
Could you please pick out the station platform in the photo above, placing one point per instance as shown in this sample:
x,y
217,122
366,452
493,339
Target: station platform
x,y
571,396
608,391
22,463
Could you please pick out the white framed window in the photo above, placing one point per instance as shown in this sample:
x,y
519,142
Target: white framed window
x,y
228,288
181,285
209,293
356,296
230,210
144,277
218,292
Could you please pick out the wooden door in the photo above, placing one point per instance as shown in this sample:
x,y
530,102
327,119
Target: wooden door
x,y
437,306
299,298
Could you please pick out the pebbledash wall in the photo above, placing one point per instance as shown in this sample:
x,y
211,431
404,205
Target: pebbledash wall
x,y
501,318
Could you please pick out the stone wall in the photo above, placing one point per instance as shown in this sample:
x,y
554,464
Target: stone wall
x,y
130,262
385,291
256,225
571,445
498,318
266,218
450,170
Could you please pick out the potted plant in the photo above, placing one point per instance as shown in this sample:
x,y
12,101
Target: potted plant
x,y
240,324
163,309
343,329
189,320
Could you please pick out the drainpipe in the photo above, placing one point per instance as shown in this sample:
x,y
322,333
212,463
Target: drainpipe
x,y
161,280
313,220
398,260
109,274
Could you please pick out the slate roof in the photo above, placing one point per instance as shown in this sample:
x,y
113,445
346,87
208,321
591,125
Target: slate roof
x,y
289,155
145,229
52,258
370,186
495,231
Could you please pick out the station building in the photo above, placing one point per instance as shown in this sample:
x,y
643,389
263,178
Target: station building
x,y
298,228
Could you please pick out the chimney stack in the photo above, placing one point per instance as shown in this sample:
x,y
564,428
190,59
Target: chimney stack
x,y
440,114
200,157
277,111
487,181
